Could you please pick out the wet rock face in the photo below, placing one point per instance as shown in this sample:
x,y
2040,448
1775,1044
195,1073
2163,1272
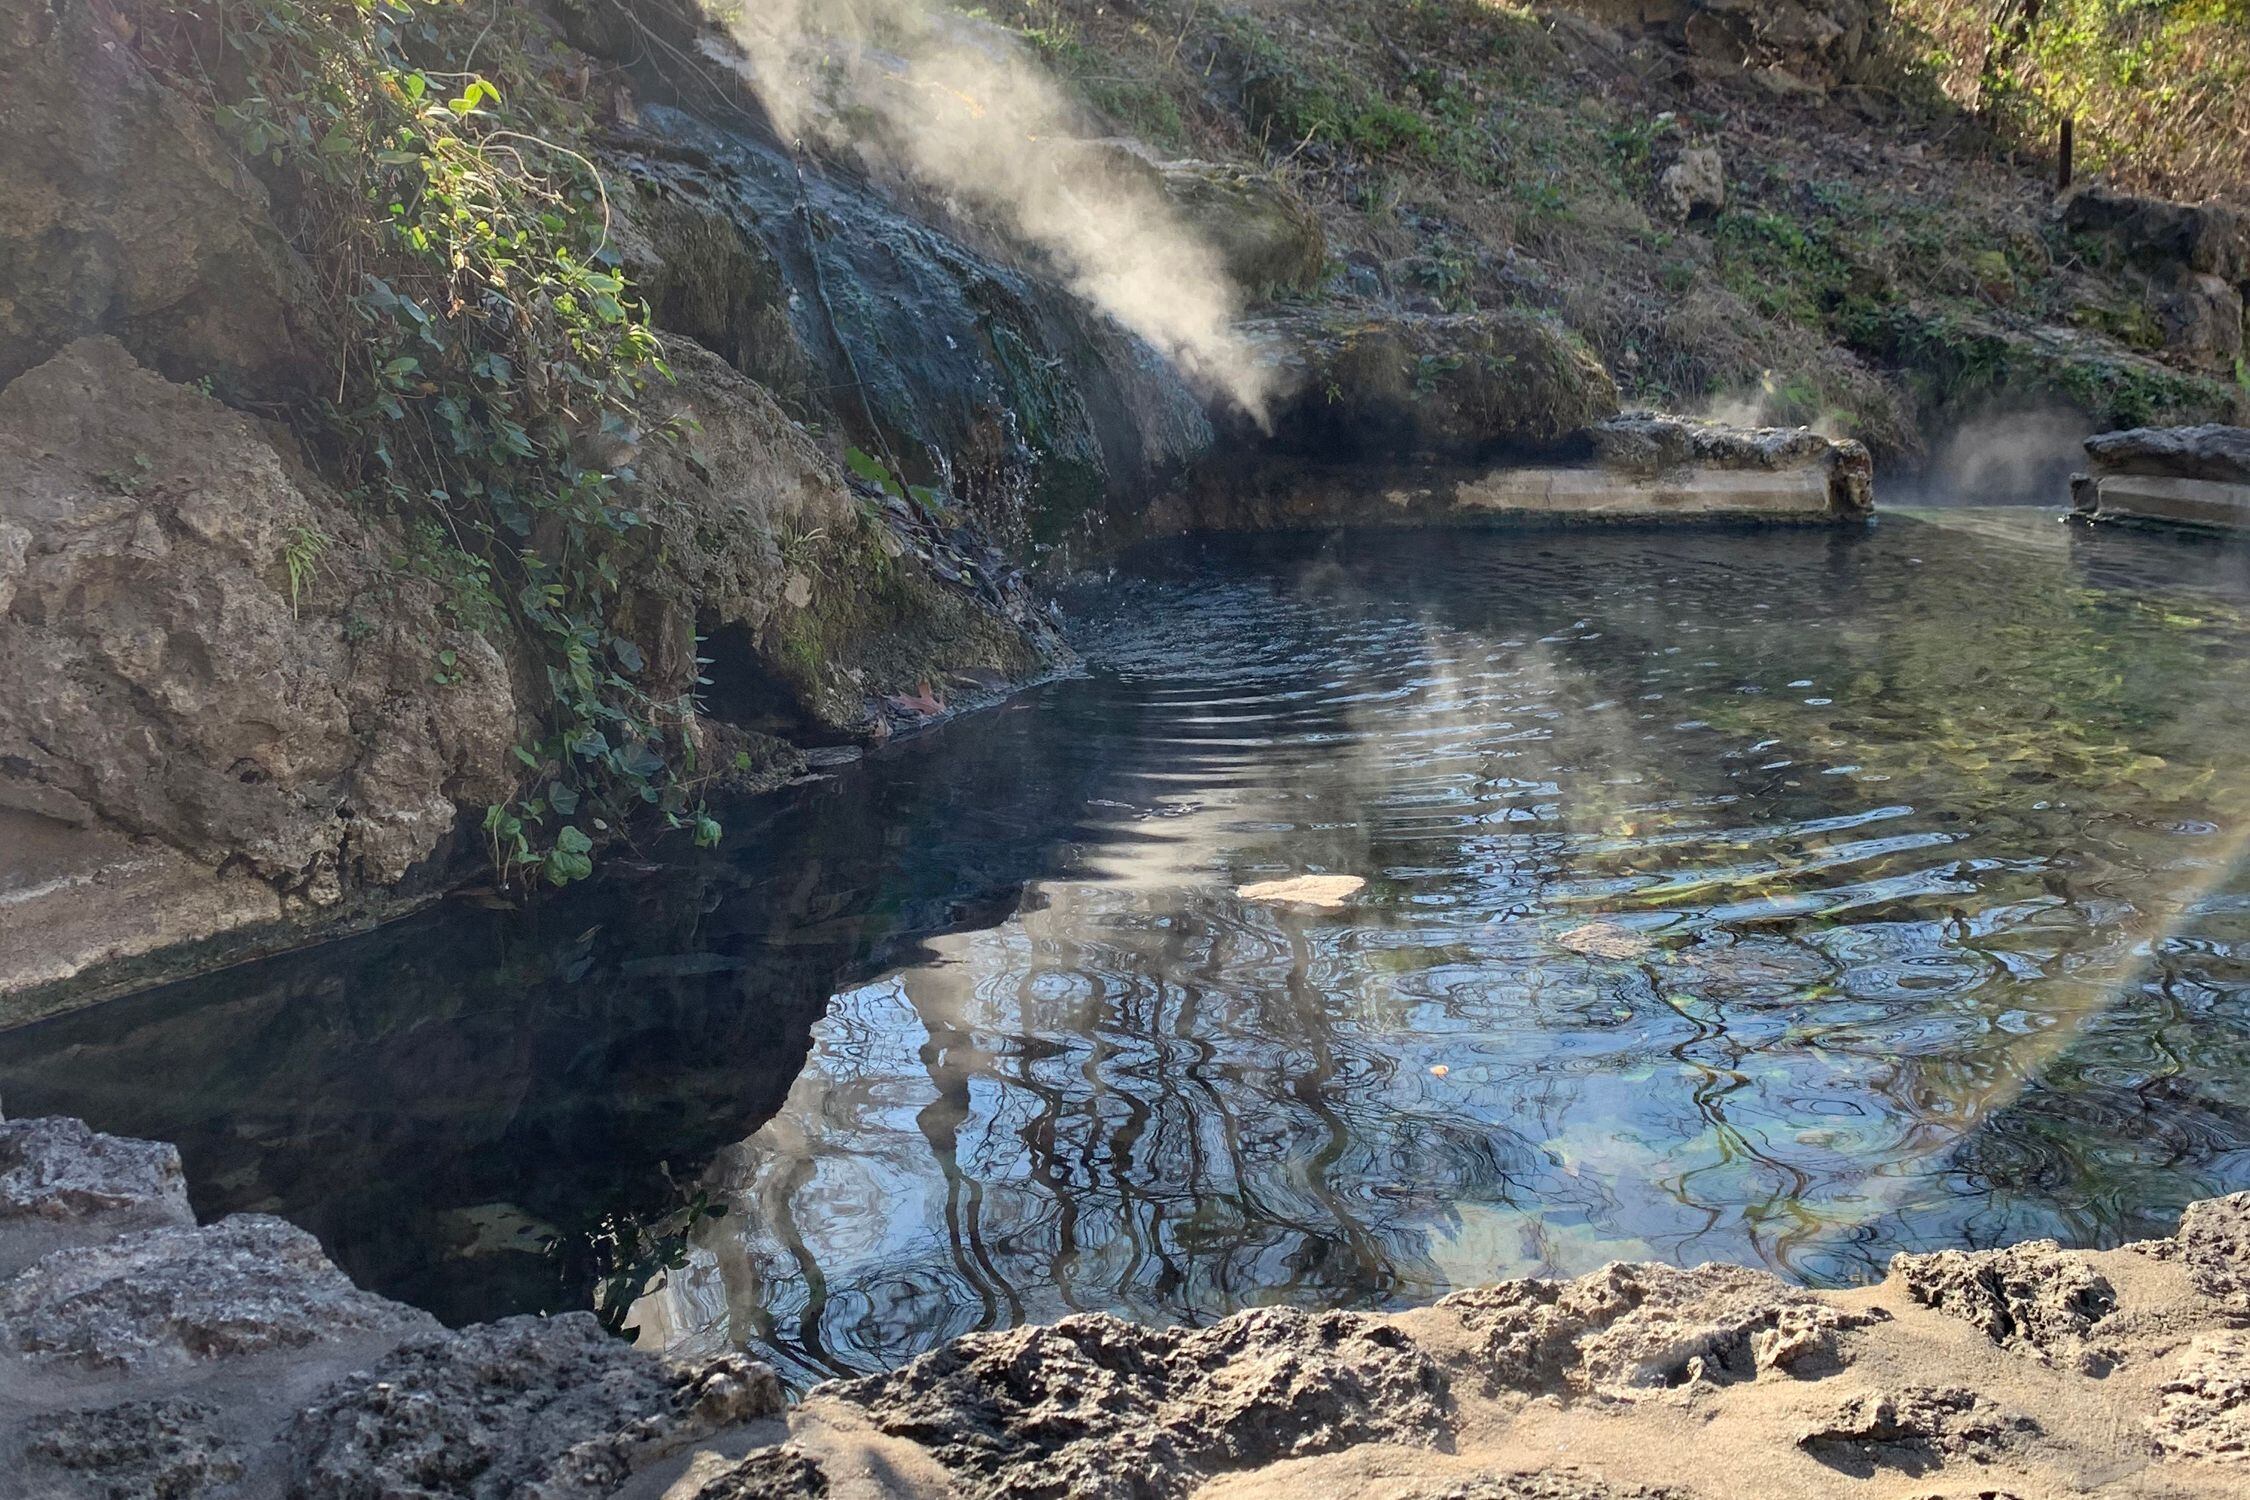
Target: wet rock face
x,y
1038,411
168,672
1634,1328
1404,386
812,605
526,1407
2034,1297
1266,237
169,1298
143,227
1093,1406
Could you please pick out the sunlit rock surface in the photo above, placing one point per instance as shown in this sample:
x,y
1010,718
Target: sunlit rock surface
x,y
233,1360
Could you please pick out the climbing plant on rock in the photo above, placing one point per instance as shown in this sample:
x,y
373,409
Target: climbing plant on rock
x,y
486,348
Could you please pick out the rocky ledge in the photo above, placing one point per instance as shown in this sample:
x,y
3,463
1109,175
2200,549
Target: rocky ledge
x,y
2186,476
142,1355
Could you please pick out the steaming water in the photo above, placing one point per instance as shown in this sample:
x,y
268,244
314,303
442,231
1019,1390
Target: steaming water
x,y
1788,898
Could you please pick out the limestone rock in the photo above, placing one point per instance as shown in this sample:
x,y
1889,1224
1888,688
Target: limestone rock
x,y
1694,186
128,215
778,1473
1912,1428
1266,237
167,1298
2034,1297
1096,1406
2205,1412
2202,321
171,1448
210,650
64,1184
1461,385
2210,451
523,1409
57,1168
757,543
2209,238
2214,1242
1633,1328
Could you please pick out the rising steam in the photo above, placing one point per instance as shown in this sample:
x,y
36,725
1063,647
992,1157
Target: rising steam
x,y
958,107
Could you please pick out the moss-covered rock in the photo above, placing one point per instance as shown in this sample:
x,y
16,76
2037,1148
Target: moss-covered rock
x,y
1467,386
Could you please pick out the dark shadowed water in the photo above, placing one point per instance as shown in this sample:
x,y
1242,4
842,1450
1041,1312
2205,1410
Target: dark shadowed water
x,y
1784,897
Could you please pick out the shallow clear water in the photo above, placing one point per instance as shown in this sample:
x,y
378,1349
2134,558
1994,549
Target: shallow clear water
x,y
1784,897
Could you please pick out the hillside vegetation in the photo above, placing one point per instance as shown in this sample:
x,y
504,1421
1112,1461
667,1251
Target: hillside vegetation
x,y
1879,260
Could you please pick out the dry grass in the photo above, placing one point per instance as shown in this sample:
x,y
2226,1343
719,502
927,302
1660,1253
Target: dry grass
x,y
2160,89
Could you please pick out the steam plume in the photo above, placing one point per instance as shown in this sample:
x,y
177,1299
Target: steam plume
x,y
959,107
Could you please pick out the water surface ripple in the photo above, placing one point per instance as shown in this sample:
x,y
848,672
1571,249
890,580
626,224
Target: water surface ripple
x,y
1789,898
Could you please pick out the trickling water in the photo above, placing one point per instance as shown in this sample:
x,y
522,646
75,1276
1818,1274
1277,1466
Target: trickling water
x,y
1786,897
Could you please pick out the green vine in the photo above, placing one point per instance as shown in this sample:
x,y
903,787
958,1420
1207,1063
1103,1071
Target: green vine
x,y
487,348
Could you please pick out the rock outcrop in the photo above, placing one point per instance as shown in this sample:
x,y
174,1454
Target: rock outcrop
x,y
127,215
231,1361
222,694
2192,476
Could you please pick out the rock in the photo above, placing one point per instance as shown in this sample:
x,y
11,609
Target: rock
x,y
59,1169
1646,445
1462,386
2202,321
1912,1429
166,1449
778,1473
1627,1329
1096,1406
128,215
2205,1410
2035,1297
2161,235
2210,451
526,1408
810,608
209,651
2213,1241
1556,1483
1694,186
62,1183
1815,40
1267,238
162,1299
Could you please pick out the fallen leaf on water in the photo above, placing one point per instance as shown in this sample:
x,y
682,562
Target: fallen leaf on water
x,y
1605,940
1305,890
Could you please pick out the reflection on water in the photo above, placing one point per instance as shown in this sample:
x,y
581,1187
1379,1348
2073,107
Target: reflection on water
x,y
1789,897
